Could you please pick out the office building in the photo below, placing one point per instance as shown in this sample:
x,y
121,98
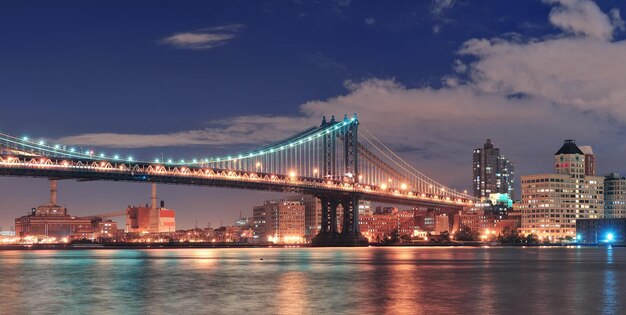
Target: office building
x,y
492,172
590,160
614,196
552,203
312,213
601,231
279,222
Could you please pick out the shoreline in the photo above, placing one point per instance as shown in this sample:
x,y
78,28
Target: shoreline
x,y
103,246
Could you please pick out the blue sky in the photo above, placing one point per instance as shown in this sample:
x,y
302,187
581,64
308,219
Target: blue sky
x,y
432,78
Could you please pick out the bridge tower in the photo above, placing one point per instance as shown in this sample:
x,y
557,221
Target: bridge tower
x,y
350,234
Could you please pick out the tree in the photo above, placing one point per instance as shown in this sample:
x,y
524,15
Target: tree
x,y
531,239
510,236
444,236
466,234
394,237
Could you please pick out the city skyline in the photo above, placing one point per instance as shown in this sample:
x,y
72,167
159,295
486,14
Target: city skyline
x,y
110,88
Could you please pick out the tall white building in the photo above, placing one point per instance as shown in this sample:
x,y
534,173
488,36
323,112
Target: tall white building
x,y
551,203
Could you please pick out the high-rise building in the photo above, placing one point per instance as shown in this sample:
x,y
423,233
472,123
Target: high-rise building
x,y
279,221
551,203
492,172
590,160
614,196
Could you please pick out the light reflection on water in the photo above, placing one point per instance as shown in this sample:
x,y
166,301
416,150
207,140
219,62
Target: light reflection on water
x,y
315,281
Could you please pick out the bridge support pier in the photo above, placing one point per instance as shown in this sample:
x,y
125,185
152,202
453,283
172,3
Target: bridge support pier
x,y
350,234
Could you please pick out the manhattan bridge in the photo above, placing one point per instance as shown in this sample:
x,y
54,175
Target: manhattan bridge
x,y
335,162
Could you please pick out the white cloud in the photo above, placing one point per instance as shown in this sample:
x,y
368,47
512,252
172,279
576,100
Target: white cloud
x,y
438,6
239,130
202,39
616,20
583,17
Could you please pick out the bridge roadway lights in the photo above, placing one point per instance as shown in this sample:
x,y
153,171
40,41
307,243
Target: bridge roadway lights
x,y
350,235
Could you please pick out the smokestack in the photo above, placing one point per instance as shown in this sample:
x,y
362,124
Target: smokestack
x,y
53,192
154,212
153,199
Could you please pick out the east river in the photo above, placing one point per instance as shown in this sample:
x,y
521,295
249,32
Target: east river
x,y
390,280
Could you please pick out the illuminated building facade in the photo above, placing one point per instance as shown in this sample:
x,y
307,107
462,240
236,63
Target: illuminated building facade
x,y
280,222
312,213
52,220
614,196
492,172
379,226
486,223
590,160
138,219
552,203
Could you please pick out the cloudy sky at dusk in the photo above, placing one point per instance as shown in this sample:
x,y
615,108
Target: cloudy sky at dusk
x,y
432,79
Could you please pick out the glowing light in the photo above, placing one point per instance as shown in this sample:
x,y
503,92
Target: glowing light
x,y
403,186
25,138
292,174
315,171
41,142
258,164
117,157
72,150
101,155
610,237
156,160
56,146
383,186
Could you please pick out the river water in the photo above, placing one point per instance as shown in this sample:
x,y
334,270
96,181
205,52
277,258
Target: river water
x,y
390,280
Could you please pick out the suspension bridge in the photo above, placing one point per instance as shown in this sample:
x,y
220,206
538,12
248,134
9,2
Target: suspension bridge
x,y
335,161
